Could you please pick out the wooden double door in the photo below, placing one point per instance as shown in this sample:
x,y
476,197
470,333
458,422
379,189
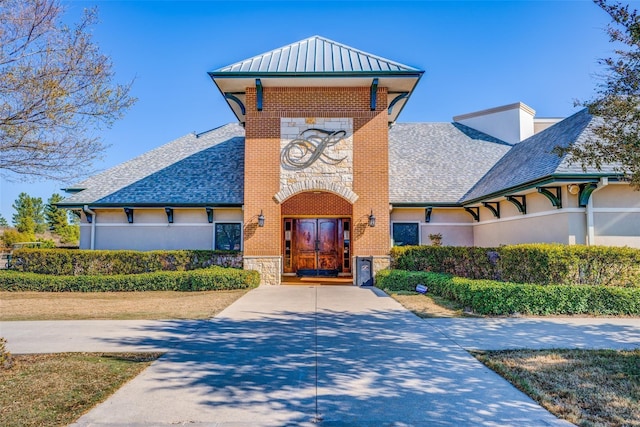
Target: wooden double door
x,y
316,246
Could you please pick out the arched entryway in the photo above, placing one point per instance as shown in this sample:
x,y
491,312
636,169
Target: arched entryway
x,y
316,238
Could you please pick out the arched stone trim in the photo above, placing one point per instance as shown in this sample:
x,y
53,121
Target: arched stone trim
x,y
313,185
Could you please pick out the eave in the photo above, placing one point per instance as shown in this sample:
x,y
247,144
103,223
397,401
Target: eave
x,y
147,205
530,185
400,85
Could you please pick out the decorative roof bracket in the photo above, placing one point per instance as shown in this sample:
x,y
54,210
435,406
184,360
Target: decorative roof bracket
x,y
259,94
129,213
427,214
554,194
475,212
520,202
585,193
372,95
232,97
169,212
494,207
209,215
395,100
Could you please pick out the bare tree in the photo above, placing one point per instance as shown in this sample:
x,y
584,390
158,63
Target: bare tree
x,y
56,90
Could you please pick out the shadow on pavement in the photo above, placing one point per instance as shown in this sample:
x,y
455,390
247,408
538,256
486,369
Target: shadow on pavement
x,y
373,368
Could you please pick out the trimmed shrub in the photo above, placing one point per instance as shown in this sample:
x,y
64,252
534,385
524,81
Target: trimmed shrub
x,y
65,262
561,264
543,264
501,298
472,262
207,279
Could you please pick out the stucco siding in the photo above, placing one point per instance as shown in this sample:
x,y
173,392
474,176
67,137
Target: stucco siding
x,y
555,227
151,229
145,238
452,235
455,225
85,236
617,228
616,196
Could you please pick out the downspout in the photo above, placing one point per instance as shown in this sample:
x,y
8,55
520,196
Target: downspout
x,y
86,210
591,232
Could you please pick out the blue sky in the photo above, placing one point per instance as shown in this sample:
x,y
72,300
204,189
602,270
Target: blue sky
x,y
476,55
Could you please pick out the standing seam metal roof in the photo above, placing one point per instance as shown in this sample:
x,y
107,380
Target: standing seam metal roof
x,y
316,55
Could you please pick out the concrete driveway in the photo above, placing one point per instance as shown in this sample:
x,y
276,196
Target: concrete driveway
x,y
319,356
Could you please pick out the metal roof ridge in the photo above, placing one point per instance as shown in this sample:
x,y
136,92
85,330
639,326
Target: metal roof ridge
x,y
369,55
237,66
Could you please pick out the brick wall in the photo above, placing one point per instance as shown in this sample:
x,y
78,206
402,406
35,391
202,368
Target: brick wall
x,y
262,162
316,204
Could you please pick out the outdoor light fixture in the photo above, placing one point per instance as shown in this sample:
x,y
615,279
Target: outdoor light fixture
x,y
260,219
372,219
573,189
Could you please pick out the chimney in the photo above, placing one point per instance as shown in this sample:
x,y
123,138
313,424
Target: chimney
x,y
511,123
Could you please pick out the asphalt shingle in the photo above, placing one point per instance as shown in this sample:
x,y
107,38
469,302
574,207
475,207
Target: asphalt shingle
x,y
438,162
204,168
533,158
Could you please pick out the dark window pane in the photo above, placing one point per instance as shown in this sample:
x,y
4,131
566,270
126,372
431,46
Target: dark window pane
x,y
405,234
228,236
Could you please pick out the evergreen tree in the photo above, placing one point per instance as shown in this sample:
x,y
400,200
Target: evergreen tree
x,y
29,216
3,221
56,217
58,221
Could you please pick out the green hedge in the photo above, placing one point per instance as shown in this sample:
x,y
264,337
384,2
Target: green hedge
x,y
463,261
501,298
65,262
575,264
213,278
542,264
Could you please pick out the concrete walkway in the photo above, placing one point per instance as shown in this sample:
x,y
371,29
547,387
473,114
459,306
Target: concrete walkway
x,y
318,356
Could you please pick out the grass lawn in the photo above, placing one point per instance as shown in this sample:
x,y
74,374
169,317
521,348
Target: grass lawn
x,y
427,306
584,387
56,389
114,305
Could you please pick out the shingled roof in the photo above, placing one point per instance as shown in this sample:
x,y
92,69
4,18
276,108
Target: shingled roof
x,y
437,163
533,159
195,169
429,164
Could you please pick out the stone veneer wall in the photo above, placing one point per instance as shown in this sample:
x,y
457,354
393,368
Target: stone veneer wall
x,y
269,267
381,263
324,169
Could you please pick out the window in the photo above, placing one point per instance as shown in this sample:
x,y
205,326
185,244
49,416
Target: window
x,y
405,233
228,236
